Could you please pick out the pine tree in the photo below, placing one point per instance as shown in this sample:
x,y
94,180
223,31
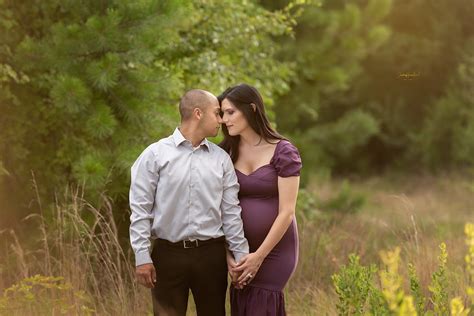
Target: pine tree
x,y
447,135
105,78
332,40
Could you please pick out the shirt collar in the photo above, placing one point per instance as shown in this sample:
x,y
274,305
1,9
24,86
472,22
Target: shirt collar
x,y
178,139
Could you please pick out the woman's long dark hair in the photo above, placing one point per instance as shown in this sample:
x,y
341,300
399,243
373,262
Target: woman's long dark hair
x,y
242,96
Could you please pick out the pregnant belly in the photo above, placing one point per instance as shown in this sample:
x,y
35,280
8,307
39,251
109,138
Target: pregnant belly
x,y
258,215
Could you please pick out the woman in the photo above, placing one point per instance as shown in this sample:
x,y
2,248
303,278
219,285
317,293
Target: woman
x,y
268,168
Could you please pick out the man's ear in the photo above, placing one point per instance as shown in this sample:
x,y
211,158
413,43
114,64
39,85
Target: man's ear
x,y
197,112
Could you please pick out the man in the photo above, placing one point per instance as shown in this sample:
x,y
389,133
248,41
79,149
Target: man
x,y
183,193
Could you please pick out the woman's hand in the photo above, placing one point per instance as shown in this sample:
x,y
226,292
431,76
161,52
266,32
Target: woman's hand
x,y
248,268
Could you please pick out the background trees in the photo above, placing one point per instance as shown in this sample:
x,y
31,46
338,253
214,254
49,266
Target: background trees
x,y
360,86
85,86
322,111
378,85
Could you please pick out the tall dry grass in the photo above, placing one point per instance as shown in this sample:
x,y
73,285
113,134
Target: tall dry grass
x,y
416,213
81,243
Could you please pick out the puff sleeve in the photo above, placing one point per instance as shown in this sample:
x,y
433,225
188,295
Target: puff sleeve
x,y
287,160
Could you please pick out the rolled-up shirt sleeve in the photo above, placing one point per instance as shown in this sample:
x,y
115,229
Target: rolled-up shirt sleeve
x,y
231,217
144,180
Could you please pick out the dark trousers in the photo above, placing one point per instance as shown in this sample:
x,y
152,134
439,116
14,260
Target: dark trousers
x,y
203,270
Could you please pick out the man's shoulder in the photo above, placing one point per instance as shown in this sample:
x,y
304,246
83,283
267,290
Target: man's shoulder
x,y
218,150
159,145
221,156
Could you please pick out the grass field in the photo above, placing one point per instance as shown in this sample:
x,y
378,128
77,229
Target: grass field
x,y
79,243
416,213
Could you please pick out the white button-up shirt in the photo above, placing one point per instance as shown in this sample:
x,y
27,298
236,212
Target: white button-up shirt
x,y
178,192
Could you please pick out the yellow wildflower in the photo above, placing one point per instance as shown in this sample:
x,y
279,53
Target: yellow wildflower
x,y
407,308
457,307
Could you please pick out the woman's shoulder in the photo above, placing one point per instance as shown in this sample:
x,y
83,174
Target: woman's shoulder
x,y
284,145
287,159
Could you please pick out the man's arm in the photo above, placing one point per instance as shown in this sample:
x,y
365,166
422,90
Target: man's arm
x,y
144,179
231,218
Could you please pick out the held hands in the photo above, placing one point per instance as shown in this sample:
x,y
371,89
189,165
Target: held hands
x,y
231,264
146,275
247,268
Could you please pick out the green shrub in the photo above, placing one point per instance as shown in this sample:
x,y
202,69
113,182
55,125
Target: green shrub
x,y
44,295
346,201
343,202
415,287
306,206
439,285
354,285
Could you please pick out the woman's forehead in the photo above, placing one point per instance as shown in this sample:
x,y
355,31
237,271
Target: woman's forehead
x,y
226,104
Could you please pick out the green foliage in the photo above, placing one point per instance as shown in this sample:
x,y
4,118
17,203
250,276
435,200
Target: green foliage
x,y
43,295
354,286
469,258
415,287
405,85
86,86
453,143
396,62
331,42
359,125
346,201
306,206
338,140
377,304
439,284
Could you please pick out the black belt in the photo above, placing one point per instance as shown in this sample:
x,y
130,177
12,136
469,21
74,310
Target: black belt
x,y
185,244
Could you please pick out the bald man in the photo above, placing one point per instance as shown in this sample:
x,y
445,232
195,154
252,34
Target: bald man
x,y
183,195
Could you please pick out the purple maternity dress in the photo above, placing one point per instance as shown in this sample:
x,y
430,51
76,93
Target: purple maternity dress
x,y
259,201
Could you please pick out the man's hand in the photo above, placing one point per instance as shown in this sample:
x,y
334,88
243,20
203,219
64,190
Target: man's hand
x,y
146,275
231,264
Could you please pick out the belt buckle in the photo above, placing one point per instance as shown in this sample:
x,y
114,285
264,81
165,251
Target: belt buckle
x,y
190,244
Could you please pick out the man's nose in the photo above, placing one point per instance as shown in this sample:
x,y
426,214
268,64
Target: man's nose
x,y
220,120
